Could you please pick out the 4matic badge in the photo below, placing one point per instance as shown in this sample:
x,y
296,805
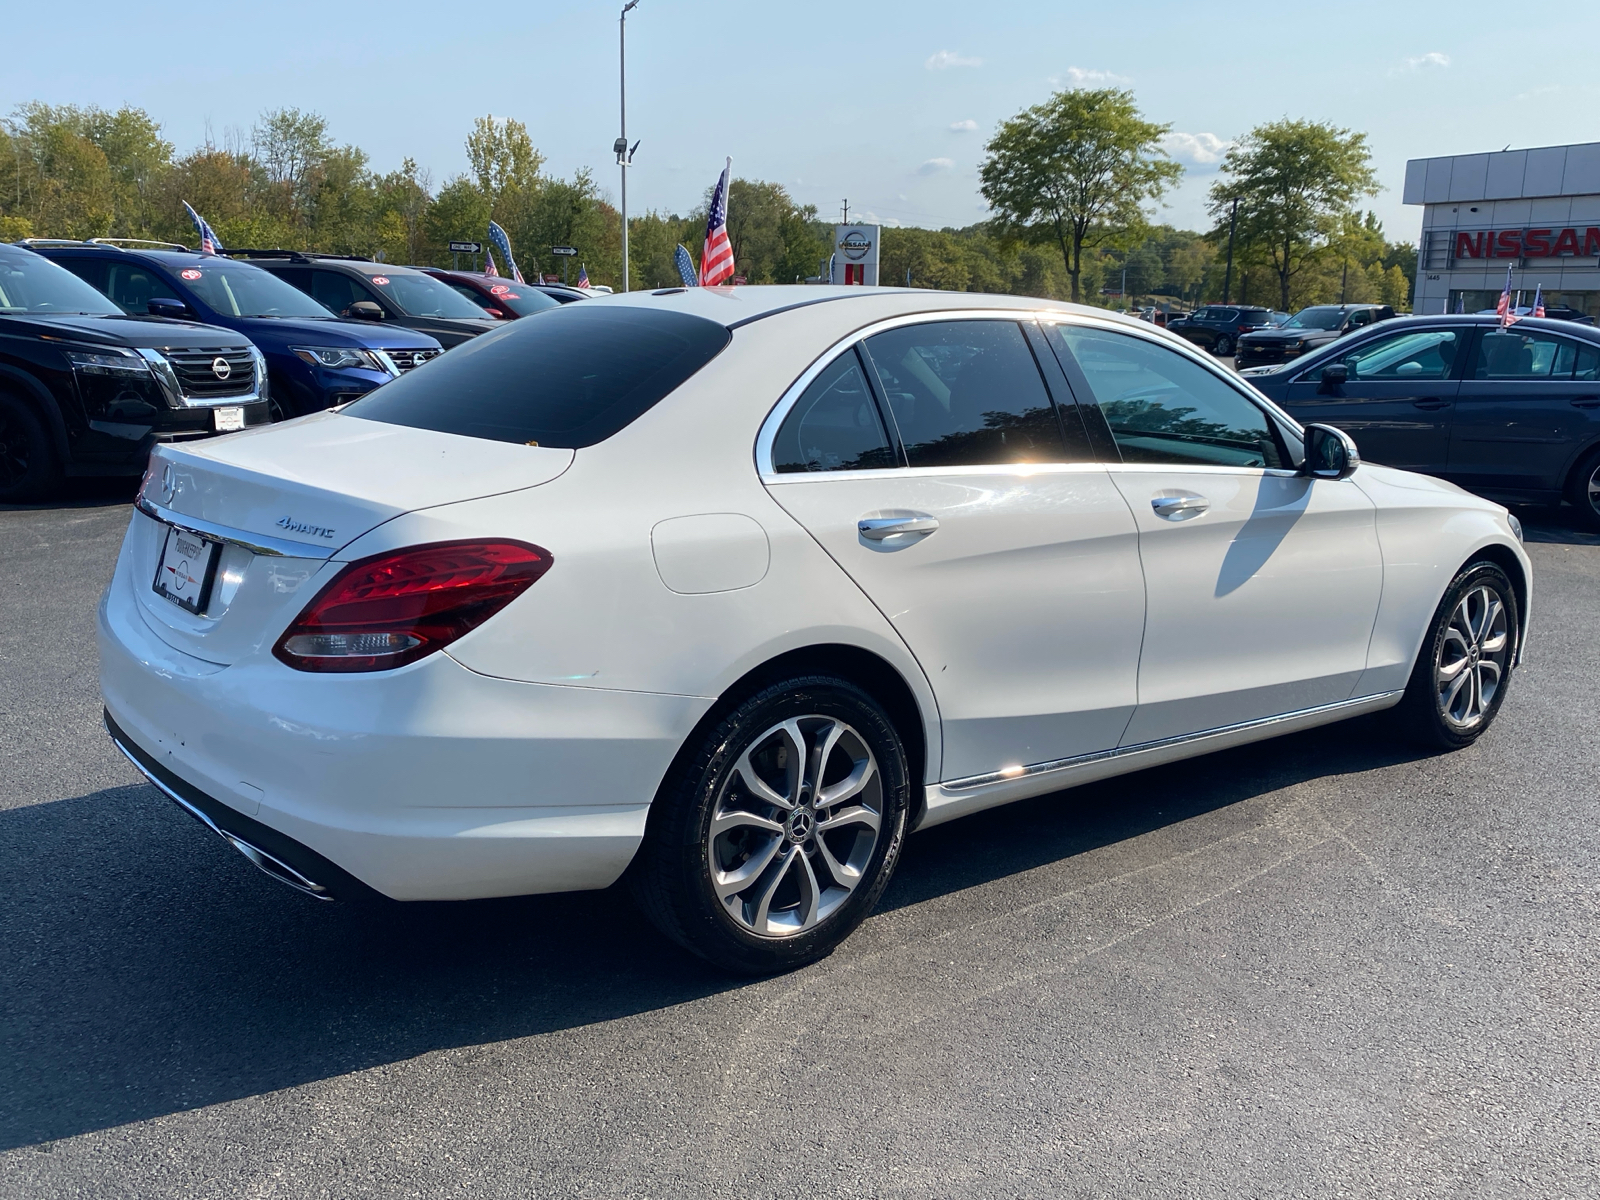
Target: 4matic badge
x,y
293,526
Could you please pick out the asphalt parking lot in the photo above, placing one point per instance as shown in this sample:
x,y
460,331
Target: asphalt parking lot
x,y
1321,966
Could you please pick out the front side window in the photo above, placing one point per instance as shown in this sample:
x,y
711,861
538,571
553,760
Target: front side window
x,y
336,291
1163,408
134,286
835,425
1510,354
1418,354
966,393
570,379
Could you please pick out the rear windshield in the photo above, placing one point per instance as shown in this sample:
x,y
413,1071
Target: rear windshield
x,y
570,379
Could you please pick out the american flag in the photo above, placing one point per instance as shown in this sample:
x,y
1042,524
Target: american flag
x,y
583,277
488,263
503,244
716,260
686,271
1504,309
1538,301
210,243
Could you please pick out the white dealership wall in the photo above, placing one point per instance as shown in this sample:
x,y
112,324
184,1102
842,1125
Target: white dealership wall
x,y
1549,187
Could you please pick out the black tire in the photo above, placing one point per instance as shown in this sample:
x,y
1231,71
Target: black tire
x,y
1440,719
1583,491
28,468
1223,346
677,873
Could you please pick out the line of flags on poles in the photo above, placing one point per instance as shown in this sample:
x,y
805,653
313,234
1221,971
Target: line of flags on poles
x,y
1506,308
716,256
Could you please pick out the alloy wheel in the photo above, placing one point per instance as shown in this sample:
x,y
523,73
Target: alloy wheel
x,y
795,825
1592,490
1473,656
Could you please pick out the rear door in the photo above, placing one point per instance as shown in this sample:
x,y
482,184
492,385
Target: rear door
x,y
1529,403
1261,584
1015,579
1397,399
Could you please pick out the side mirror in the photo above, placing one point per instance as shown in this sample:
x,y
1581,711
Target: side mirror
x,y
1330,453
493,312
365,310
1334,377
166,306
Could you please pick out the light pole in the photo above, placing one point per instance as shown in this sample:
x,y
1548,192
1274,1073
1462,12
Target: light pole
x,y
621,147
1233,223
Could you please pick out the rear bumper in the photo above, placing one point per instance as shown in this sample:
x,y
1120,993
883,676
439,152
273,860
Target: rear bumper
x,y
431,782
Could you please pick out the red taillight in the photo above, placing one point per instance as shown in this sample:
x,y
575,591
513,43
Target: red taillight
x,y
1246,328
392,609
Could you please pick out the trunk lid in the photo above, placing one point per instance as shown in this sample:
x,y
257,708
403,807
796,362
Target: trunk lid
x,y
285,499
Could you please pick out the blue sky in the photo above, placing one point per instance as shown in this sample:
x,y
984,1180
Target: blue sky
x,y
885,103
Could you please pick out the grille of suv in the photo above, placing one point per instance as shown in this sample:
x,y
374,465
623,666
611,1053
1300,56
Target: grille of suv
x,y
199,377
406,359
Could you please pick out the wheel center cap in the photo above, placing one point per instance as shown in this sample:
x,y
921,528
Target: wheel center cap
x,y
801,824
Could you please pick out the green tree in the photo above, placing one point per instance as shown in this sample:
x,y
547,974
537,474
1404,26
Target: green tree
x,y
1296,182
1077,171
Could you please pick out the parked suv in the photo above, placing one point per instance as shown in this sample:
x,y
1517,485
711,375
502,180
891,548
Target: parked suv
x,y
314,360
1306,330
1218,326
364,290
86,389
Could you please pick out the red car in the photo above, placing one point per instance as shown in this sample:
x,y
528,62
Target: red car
x,y
497,295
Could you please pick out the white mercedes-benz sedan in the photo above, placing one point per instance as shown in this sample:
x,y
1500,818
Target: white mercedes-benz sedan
x,y
726,590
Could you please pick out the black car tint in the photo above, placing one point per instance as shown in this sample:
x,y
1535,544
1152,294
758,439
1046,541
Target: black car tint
x,y
572,378
834,426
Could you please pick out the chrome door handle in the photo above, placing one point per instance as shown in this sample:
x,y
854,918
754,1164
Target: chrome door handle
x,y
877,528
1179,508
1430,403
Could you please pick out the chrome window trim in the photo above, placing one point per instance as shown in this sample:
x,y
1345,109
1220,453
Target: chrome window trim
x,y
768,432
256,543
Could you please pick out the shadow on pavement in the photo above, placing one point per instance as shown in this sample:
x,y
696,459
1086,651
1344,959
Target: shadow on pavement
x,y
150,970
1554,524
85,493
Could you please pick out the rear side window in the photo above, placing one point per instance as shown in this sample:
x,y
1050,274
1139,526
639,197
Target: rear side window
x,y
1255,318
966,393
835,425
570,379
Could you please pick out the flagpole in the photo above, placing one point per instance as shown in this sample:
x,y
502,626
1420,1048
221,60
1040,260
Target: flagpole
x,y
622,142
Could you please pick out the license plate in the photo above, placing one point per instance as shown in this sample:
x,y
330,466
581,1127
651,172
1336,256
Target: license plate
x,y
188,561
229,419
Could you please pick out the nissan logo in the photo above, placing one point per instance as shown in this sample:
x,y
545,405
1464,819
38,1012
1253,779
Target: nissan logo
x,y
220,367
855,245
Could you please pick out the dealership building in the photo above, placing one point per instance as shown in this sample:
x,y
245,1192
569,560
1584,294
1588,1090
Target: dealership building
x,y
1535,211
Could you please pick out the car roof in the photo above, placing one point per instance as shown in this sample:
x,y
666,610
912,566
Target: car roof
x,y
736,306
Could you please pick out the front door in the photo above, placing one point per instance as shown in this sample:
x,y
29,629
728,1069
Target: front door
x,y
1529,402
1397,399
1261,585
959,504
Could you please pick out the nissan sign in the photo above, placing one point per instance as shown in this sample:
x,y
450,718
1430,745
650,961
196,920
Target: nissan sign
x,y
1527,243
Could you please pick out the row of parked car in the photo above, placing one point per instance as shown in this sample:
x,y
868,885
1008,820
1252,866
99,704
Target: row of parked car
x,y
112,347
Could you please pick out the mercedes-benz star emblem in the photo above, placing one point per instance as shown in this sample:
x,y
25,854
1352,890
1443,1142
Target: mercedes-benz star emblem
x,y
169,484
220,367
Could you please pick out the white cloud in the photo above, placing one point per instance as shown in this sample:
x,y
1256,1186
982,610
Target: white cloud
x,y
1200,149
1433,58
945,59
1089,77
968,126
934,165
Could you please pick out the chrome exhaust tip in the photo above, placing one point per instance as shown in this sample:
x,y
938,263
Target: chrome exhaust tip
x,y
259,858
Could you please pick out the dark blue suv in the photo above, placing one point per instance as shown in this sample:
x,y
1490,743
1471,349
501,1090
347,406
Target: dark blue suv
x,y
314,359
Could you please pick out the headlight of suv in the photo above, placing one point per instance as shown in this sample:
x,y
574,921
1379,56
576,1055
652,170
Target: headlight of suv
x,y
335,357
118,385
